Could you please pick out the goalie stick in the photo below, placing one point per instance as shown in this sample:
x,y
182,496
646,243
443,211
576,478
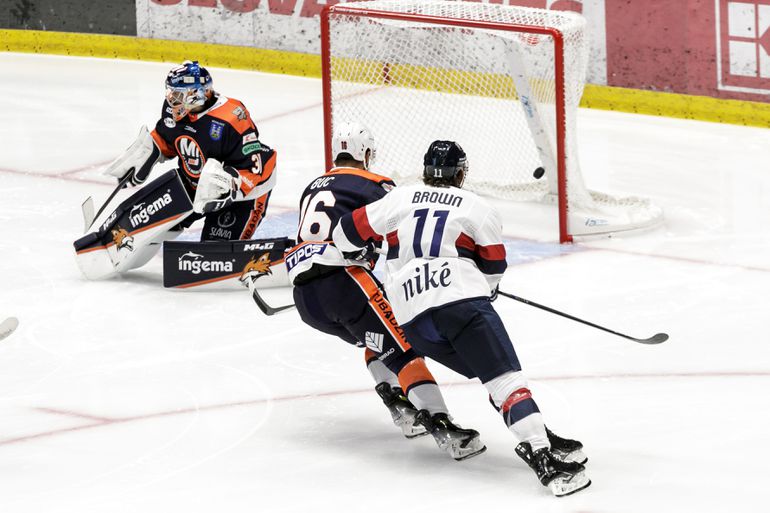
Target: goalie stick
x,y
658,338
8,326
88,204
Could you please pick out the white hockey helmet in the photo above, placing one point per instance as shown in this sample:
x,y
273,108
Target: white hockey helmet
x,y
353,139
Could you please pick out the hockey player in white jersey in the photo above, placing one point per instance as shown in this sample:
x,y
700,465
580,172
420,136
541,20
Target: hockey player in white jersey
x,y
445,259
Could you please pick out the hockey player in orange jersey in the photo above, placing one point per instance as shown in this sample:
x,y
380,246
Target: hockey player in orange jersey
x,y
224,174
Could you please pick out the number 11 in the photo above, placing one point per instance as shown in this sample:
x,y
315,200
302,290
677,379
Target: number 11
x,y
438,233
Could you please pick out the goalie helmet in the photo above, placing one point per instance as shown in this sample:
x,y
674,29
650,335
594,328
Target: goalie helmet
x,y
187,86
444,161
353,139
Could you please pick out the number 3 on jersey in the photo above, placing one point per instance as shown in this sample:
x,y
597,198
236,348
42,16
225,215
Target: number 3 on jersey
x,y
316,225
438,231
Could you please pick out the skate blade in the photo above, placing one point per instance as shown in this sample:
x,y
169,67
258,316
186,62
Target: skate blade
x,y
576,456
413,433
468,456
408,428
561,487
474,447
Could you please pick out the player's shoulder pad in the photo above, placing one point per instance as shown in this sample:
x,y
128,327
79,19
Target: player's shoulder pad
x,y
368,175
234,113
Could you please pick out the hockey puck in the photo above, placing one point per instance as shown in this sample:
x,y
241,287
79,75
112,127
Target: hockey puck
x,y
8,326
539,172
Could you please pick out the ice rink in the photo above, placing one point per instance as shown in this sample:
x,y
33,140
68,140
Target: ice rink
x,y
121,396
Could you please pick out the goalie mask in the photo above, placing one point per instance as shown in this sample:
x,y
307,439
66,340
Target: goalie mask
x,y
444,161
353,139
187,86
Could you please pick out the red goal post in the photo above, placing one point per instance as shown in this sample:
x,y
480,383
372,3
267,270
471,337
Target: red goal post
x,y
408,68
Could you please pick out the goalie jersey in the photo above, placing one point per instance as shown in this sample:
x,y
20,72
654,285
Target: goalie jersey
x,y
444,246
223,131
329,197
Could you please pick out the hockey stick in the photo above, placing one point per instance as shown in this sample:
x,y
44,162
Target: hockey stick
x,y
88,204
267,309
8,326
659,338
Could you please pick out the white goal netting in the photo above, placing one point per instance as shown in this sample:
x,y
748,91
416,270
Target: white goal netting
x,y
493,89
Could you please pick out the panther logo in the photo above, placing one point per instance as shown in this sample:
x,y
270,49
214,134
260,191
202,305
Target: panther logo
x,y
256,267
122,239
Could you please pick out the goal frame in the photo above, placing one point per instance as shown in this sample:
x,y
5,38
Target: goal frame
x,y
558,41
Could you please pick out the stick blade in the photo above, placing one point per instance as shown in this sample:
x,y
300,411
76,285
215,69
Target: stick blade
x,y
658,338
267,309
88,213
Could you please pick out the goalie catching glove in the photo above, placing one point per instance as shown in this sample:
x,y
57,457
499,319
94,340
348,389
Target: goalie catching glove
x,y
138,159
218,187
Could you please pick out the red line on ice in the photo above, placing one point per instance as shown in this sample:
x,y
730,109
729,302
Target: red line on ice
x,y
101,421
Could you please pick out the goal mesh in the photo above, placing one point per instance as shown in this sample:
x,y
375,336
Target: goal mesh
x,y
491,89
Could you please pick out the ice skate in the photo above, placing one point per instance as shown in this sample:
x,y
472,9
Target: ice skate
x,y
460,443
561,477
401,410
566,449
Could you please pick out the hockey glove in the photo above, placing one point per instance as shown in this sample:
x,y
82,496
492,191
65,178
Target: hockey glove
x,y
218,187
137,161
361,255
493,296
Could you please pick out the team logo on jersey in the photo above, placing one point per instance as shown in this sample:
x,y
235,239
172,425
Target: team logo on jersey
x,y
374,341
240,113
256,268
191,155
169,122
216,130
252,137
226,219
122,239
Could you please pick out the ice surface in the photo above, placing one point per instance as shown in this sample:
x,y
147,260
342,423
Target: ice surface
x,y
121,396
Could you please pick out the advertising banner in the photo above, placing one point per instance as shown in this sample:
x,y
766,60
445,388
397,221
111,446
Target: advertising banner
x,y
718,48
292,25
104,17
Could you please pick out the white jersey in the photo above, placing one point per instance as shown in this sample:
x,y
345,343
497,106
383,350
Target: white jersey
x,y
444,246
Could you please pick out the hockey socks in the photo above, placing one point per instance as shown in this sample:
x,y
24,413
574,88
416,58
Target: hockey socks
x,y
380,373
513,399
421,388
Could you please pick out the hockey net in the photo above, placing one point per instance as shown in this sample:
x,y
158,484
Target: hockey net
x,y
503,81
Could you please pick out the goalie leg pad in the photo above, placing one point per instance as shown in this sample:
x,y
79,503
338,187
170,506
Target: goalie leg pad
x,y
131,234
258,261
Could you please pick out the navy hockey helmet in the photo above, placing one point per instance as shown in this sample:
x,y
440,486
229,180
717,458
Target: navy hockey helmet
x,y
187,86
444,161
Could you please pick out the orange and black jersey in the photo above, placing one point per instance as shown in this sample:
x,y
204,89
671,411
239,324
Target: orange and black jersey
x,y
223,131
332,195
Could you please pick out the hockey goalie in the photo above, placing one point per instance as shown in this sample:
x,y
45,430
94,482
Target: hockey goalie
x,y
224,175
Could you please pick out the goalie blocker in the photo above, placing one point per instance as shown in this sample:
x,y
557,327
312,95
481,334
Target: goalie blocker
x,y
131,234
194,264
